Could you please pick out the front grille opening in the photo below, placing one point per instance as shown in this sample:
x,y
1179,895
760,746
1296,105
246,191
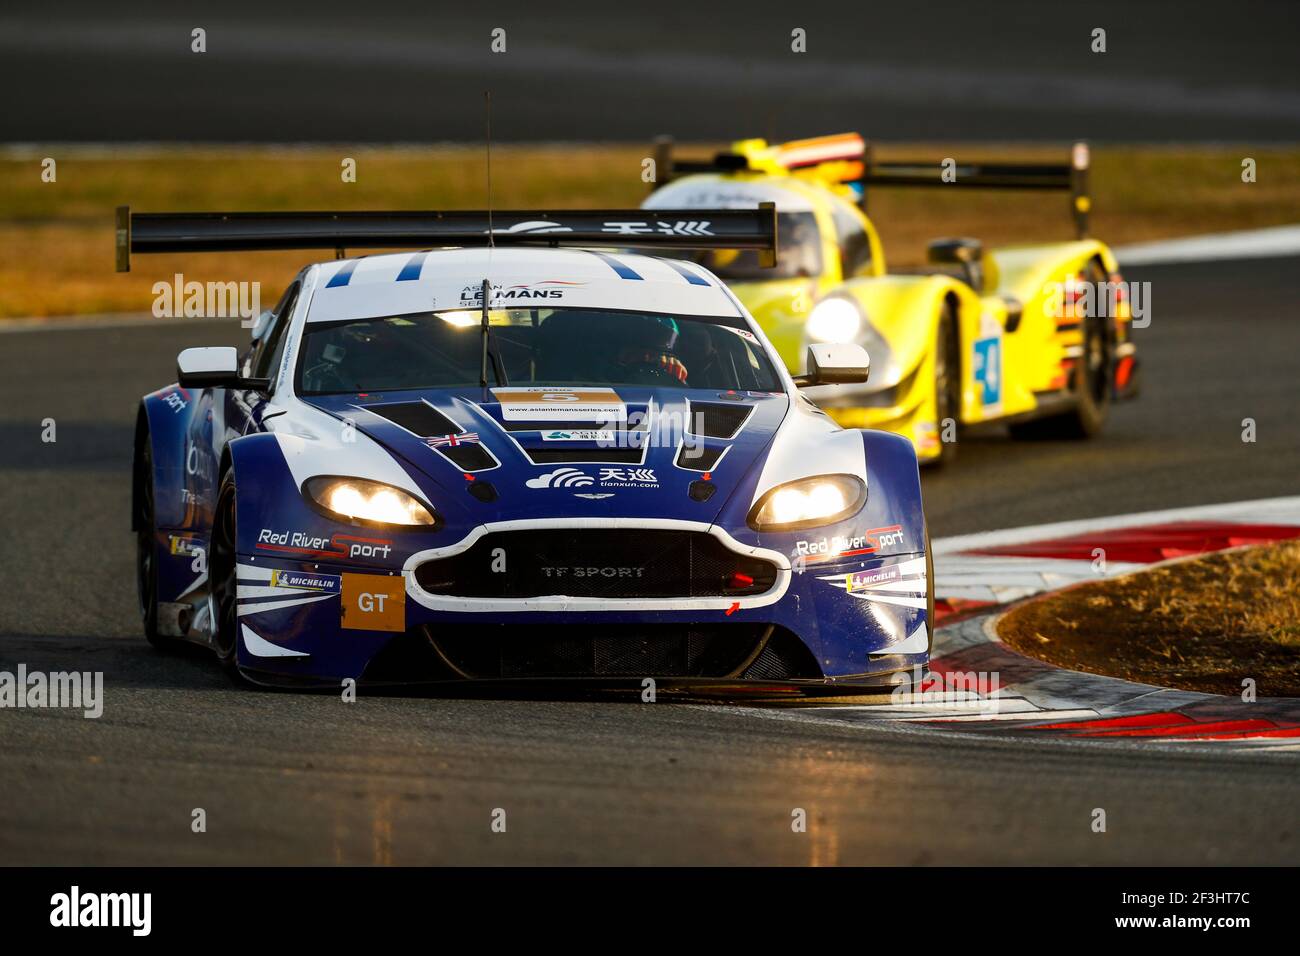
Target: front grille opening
x,y
407,658
608,563
714,651
784,657
465,652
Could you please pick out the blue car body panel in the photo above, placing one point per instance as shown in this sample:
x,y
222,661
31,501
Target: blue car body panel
x,y
322,600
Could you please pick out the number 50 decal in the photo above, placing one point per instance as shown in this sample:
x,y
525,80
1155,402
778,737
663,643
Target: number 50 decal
x,y
988,369
986,362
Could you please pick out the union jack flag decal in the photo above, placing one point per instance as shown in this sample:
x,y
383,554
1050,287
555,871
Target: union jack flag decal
x,y
452,440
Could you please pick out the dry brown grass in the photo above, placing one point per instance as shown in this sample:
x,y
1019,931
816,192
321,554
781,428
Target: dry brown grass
x,y
56,238
1203,624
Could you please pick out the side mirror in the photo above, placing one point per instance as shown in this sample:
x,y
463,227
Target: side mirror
x,y
835,363
967,253
214,367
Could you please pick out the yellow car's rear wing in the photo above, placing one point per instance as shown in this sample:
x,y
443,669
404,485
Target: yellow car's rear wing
x,y
1071,176
845,162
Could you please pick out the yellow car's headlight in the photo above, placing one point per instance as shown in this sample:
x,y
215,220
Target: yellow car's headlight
x,y
808,502
834,319
362,501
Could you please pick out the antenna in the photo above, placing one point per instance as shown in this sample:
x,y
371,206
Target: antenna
x,y
487,95
487,295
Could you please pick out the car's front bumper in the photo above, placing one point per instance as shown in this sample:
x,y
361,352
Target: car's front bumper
x,y
360,624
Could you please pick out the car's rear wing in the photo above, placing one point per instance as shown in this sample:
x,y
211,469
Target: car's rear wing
x,y
1071,176
160,232
847,159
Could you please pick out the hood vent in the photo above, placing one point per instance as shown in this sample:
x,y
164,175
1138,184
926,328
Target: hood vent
x,y
700,459
468,457
420,418
715,420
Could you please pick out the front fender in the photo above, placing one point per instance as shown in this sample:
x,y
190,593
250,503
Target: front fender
x,y
904,311
164,420
270,504
894,488
1023,271
275,523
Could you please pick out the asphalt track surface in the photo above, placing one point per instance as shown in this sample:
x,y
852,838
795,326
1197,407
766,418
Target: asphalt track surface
x,y
387,70
293,778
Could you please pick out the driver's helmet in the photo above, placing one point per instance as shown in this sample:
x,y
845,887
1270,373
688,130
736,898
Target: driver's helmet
x,y
650,340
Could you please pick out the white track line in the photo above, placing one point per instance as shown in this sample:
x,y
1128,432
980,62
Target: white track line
x,y
1248,244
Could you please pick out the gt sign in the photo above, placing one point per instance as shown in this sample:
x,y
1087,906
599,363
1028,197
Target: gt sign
x,y
374,602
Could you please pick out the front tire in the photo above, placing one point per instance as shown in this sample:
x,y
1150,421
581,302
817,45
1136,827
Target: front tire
x,y
222,574
929,595
146,554
947,385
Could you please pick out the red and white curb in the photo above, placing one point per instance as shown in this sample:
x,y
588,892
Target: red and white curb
x,y
998,567
975,683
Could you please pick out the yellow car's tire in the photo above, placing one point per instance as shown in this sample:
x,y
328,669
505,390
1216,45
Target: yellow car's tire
x,y
1091,386
947,384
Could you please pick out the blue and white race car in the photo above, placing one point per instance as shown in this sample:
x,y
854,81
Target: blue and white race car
x,y
542,459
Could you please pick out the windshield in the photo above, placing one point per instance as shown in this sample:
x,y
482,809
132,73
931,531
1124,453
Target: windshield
x,y
799,253
532,346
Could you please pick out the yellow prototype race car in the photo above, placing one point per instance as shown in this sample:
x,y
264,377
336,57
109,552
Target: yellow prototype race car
x,y
1034,336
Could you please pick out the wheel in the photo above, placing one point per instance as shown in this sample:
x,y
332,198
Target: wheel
x,y
222,573
947,384
929,594
1093,374
146,557
908,680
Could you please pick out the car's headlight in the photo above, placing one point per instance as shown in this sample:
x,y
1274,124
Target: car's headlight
x,y
808,502
834,319
839,319
362,501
